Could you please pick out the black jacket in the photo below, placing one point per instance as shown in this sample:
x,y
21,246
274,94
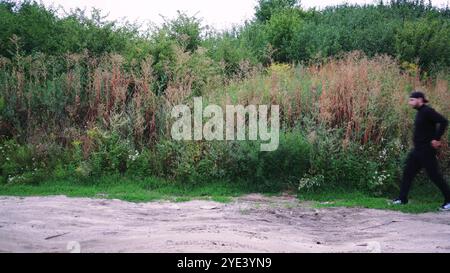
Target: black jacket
x,y
425,129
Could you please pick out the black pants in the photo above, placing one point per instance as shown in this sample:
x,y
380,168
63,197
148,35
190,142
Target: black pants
x,y
425,158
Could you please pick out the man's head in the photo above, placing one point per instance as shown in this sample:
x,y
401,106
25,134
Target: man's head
x,y
417,99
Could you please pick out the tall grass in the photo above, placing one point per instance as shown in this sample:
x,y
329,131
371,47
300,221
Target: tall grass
x,y
353,111
99,115
364,97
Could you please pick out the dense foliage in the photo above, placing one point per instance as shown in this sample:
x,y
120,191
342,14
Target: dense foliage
x,y
82,96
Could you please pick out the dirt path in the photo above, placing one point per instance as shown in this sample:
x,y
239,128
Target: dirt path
x,y
252,223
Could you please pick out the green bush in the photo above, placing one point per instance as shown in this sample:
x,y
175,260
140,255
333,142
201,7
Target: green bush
x,y
110,155
266,8
289,162
280,31
426,41
139,163
189,162
23,164
372,168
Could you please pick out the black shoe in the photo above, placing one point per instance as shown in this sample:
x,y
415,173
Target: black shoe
x,y
445,207
399,202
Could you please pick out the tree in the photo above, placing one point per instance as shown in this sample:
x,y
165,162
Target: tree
x,y
266,8
425,40
186,30
280,30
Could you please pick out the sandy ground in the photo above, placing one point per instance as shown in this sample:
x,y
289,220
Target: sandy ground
x,y
251,223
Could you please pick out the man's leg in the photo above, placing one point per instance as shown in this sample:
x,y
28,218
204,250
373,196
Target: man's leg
x,y
411,169
431,166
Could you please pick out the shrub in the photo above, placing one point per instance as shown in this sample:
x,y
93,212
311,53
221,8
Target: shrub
x,y
110,155
289,162
20,164
311,183
425,41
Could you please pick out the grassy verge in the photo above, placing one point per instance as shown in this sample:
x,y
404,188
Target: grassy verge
x,y
422,199
130,189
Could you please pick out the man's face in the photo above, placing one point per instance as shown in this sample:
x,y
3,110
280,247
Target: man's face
x,y
415,103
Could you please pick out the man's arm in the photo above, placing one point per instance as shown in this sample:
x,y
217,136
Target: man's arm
x,y
441,120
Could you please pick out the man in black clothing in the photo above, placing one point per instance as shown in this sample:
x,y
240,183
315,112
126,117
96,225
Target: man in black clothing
x,y
427,138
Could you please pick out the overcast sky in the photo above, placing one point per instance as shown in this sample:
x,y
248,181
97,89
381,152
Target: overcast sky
x,y
217,13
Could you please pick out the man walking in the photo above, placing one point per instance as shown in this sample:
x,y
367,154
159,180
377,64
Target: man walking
x,y
427,138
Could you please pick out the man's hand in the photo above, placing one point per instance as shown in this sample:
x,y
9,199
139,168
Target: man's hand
x,y
436,144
